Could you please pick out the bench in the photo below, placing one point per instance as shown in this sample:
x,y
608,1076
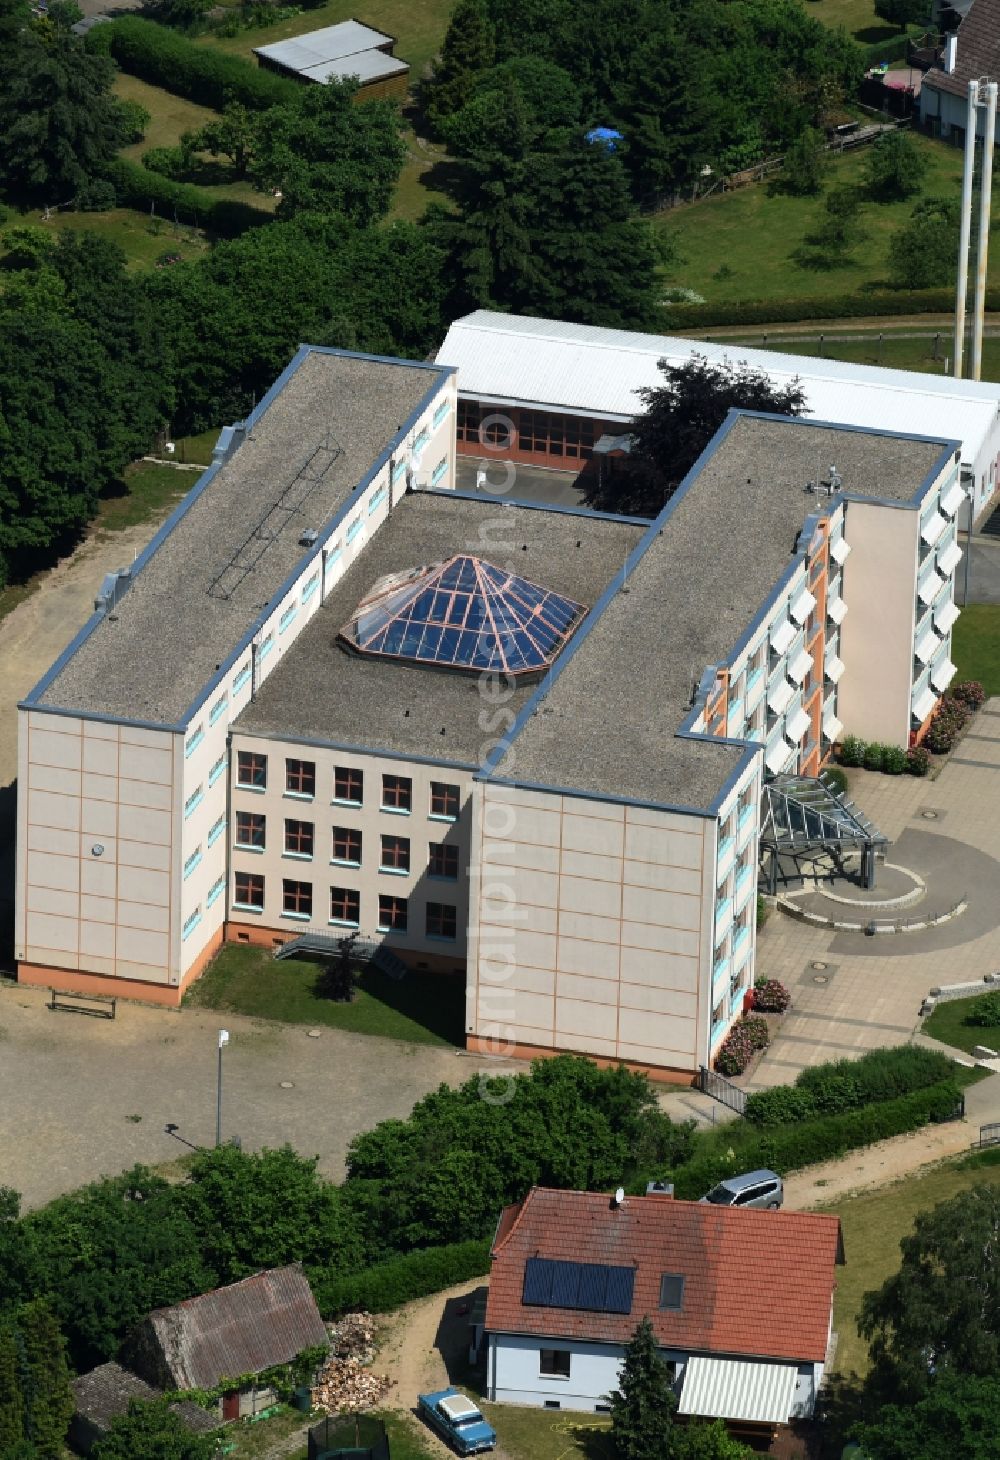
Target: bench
x,y
98,1006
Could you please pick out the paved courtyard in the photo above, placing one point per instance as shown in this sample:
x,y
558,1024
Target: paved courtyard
x,y
71,1088
870,990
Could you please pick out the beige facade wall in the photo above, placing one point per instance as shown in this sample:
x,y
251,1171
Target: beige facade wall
x,y
98,848
880,578
420,827
592,928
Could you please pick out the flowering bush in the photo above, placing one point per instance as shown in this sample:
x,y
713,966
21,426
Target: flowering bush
x,y
771,997
918,760
740,1045
949,719
969,693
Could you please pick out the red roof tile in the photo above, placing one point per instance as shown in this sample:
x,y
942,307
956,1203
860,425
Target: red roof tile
x,y
978,52
756,1282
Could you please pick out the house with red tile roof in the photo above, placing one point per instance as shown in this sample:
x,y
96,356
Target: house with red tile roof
x,y
741,1301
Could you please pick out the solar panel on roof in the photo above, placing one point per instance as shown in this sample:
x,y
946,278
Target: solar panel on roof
x,y
589,1287
464,613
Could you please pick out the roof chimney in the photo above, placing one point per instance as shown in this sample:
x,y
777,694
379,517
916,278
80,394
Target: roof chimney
x,y
618,1200
951,53
660,1188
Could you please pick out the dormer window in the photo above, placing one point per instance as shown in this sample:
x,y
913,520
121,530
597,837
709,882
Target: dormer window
x,y
672,1291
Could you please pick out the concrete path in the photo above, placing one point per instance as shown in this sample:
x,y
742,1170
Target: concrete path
x,y
868,991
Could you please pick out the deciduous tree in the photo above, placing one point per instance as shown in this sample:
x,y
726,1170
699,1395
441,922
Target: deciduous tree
x,y
903,12
895,168
959,1416
680,418
924,253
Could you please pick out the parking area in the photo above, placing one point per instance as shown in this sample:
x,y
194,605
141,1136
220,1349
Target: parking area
x,y
83,1097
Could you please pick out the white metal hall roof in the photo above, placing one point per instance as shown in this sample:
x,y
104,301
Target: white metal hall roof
x,y
740,1389
515,359
321,47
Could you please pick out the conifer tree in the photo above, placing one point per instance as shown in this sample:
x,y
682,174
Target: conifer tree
x,y
469,49
642,1407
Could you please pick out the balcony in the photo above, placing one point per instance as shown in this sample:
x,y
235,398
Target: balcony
x,y
724,860
741,941
720,970
723,918
744,886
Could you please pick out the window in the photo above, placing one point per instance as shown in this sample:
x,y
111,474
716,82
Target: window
x,y
553,435
300,777
215,891
242,678
354,529
441,920
376,501
736,984
421,440
469,415
443,862
192,862
217,770
397,793
345,906
251,770
441,413
718,1012
398,470
444,800
310,588
672,1291
392,914
251,830
348,785
395,855
194,800
553,1363
347,845
299,838
218,709
296,898
265,648
216,831
439,471
287,617
191,923
194,741
249,890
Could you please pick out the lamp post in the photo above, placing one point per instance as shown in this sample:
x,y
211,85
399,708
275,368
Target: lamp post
x,y
223,1041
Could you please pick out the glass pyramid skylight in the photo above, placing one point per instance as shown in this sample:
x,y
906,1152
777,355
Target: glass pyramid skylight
x,y
464,613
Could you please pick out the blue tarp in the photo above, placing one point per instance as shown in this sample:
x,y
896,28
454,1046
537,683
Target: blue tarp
x,y
607,135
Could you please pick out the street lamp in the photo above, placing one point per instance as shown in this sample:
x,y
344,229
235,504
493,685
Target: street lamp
x,y
223,1041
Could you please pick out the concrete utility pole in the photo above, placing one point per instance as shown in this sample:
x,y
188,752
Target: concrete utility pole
x,y
982,94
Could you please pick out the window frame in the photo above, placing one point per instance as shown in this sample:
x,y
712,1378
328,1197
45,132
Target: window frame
x,y
305,775
671,1277
398,787
445,793
446,851
351,774
394,854
350,834
250,879
295,837
555,1369
390,924
350,897
438,912
257,765
251,845
292,889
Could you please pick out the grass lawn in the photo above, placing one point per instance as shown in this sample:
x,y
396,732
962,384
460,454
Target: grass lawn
x,y
535,1434
975,645
141,239
423,1008
752,233
170,115
197,448
146,491
856,16
947,1023
418,28
873,1225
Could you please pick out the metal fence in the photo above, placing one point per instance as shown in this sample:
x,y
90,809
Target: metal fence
x,y
989,1135
360,1436
723,1090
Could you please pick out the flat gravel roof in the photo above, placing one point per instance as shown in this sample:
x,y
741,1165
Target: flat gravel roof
x,y
170,633
609,723
321,691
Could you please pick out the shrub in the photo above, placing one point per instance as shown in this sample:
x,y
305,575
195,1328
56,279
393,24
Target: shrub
x,y
852,751
786,1147
137,187
984,1012
771,997
740,1045
863,303
872,758
893,760
763,911
200,73
918,760
388,1285
168,161
134,120
96,196
842,1085
970,693
835,779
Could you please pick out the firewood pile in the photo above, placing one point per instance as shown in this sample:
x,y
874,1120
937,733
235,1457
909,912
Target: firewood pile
x,y
346,1383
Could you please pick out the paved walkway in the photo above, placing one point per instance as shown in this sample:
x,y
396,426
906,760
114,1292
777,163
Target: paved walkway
x,y
869,990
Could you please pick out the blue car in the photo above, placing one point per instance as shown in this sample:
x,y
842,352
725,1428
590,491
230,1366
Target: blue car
x,y
457,1420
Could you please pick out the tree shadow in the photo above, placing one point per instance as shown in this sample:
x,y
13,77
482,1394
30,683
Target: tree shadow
x,y
874,35
445,176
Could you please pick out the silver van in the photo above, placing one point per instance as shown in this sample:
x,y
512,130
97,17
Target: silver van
x,y
752,1189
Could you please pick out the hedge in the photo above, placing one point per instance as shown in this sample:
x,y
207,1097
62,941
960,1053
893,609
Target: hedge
x,y
138,187
790,1147
834,306
842,1085
387,1285
201,73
